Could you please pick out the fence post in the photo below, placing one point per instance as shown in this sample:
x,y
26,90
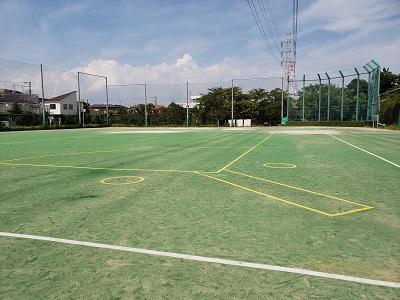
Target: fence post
x,y
187,103
358,92
232,106
43,106
329,96
287,99
79,101
145,105
341,106
107,120
319,99
369,109
282,101
304,92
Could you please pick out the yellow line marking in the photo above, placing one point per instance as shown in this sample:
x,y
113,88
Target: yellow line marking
x,y
351,211
202,173
251,149
77,153
364,207
300,189
95,168
107,180
116,150
80,153
266,195
279,166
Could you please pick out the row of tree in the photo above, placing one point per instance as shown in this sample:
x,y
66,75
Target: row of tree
x,y
214,108
390,97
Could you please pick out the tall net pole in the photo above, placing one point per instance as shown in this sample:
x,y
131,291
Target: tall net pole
x,y
79,100
43,106
107,121
232,106
187,103
145,106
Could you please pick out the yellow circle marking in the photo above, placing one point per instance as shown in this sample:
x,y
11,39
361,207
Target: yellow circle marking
x,y
121,180
279,166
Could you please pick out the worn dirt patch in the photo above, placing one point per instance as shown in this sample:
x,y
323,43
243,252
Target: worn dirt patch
x,y
145,131
302,132
238,128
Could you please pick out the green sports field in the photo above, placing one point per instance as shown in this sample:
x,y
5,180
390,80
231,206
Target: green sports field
x,y
82,210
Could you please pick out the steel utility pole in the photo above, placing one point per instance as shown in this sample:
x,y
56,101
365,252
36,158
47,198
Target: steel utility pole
x,y
43,107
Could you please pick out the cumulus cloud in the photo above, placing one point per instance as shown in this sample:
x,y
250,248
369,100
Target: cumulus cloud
x,y
168,82
344,34
185,69
344,16
165,82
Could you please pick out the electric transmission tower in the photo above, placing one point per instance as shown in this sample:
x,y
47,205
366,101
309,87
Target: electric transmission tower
x,y
288,54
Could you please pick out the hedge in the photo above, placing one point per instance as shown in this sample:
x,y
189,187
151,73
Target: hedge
x,y
327,123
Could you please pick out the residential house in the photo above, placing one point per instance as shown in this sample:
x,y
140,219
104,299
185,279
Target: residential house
x,y
62,105
101,109
194,102
27,102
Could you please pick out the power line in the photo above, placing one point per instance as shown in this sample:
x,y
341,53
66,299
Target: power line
x,y
268,22
261,28
271,9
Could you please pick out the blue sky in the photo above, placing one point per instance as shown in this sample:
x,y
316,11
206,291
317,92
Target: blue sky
x,y
179,41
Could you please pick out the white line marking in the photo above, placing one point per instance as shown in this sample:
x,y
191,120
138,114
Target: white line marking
x,y
388,161
207,259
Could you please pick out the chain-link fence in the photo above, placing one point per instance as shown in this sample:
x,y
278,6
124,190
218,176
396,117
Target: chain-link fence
x,y
348,95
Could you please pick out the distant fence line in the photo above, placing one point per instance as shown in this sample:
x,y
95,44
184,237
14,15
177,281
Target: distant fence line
x,y
332,96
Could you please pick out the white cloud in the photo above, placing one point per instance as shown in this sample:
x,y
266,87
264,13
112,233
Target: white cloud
x,y
165,81
344,16
185,69
346,34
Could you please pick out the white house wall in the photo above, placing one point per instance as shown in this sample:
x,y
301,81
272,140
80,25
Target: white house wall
x,y
71,106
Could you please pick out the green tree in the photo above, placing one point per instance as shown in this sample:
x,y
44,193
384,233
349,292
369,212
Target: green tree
x,y
388,80
390,97
215,106
311,102
350,102
313,108
269,106
245,109
390,107
176,114
258,95
15,109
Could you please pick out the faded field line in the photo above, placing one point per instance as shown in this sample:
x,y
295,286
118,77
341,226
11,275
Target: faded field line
x,y
94,168
144,148
207,259
44,140
370,153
